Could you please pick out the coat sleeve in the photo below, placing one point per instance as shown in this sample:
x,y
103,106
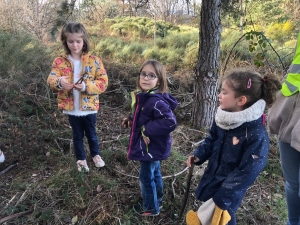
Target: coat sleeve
x,y
237,182
204,150
55,74
164,121
100,82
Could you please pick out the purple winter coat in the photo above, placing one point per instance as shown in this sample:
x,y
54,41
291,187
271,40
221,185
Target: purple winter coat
x,y
153,115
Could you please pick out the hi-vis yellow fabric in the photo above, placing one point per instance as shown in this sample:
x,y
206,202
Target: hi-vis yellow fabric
x,y
292,82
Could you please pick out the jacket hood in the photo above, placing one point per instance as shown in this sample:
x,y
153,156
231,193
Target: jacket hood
x,y
169,99
166,97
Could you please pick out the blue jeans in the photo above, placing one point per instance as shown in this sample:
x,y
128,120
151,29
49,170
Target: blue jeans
x,y
84,125
151,185
290,162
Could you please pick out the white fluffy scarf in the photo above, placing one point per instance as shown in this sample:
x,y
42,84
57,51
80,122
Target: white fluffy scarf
x,y
230,120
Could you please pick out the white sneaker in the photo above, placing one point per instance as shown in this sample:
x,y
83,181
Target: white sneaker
x,y
2,158
82,166
98,161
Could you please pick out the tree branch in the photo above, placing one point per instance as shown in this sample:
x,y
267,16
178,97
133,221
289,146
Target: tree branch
x,y
16,216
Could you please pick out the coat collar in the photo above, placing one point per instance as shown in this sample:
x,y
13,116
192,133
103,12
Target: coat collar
x,y
230,120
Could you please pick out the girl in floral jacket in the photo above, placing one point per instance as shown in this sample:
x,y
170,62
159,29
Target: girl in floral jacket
x,y
79,78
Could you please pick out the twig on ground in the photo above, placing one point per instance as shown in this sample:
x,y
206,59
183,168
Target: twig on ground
x,y
9,202
198,131
21,198
183,134
176,174
126,174
117,219
116,139
174,194
16,216
8,168
58,145
197,143
164,177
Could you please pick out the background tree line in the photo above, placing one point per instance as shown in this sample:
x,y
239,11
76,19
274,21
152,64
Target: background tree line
x,y
198,44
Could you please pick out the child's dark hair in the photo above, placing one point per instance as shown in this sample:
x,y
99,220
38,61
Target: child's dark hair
x,y
252,85
160,71
72,28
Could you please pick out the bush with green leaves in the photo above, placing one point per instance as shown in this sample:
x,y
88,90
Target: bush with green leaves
x,y
21,54
279,32
132,41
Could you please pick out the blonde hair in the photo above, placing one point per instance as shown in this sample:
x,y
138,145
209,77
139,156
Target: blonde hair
x,y
72,28
160,72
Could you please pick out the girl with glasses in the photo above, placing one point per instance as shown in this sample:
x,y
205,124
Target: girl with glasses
x,y
151,125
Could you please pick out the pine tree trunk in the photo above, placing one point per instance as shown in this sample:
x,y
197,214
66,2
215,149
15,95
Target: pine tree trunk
x,y
208,66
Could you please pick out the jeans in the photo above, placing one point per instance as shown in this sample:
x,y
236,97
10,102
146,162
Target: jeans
x,y
151,185
84,125
290,162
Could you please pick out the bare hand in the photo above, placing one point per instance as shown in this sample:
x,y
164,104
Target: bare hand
x,y
79,87
64,83
188,161
126,122
146,140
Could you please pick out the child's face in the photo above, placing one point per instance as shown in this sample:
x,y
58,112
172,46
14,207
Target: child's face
x,y
75,43
144,81
227,99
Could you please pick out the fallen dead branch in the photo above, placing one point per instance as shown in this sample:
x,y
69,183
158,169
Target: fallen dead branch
x,y
8,168
16,216
164,177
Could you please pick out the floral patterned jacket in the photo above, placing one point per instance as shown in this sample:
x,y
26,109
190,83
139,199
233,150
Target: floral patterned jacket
x,y
93,74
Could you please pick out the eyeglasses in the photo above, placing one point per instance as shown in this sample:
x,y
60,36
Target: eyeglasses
x,y
150,76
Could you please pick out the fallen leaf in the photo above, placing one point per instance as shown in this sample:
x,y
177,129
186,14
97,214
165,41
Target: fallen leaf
x,y
74,219
277,195
99,188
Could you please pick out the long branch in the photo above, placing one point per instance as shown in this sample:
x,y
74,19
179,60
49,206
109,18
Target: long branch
x,y
16,216
8,168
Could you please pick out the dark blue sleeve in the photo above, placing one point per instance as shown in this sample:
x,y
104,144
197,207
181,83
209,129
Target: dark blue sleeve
x,y
238,181
204,150
164,121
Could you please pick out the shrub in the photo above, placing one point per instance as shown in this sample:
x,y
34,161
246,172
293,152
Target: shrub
x,y
21,54
279,31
